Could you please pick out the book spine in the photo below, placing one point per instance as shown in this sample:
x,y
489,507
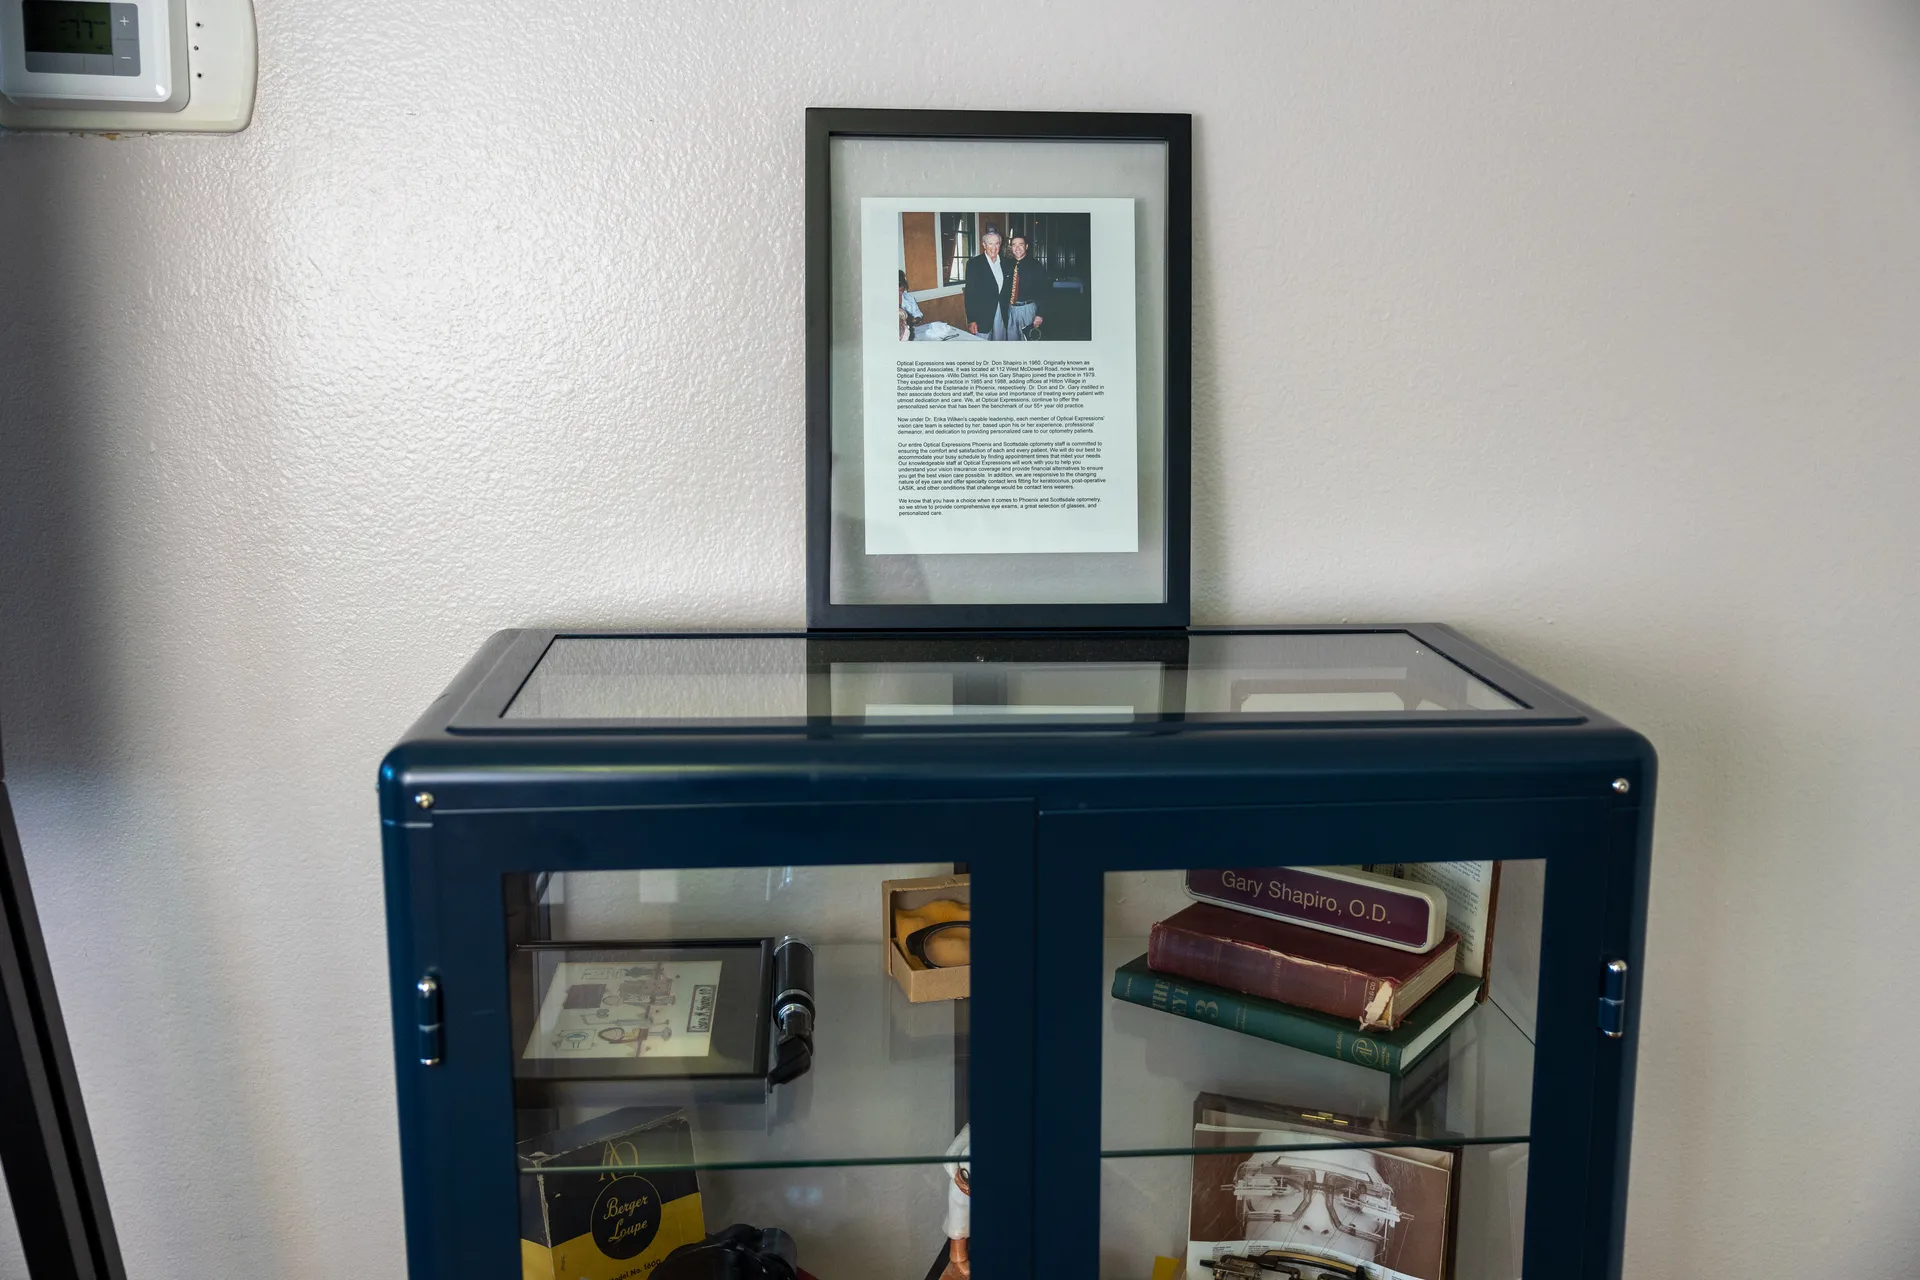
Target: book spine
x,y
1272,975
1254,1018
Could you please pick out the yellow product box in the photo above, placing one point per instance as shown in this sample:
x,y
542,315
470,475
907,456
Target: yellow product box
x,y
610,1198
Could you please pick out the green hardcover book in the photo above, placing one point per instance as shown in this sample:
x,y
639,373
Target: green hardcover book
x,y
1389,1051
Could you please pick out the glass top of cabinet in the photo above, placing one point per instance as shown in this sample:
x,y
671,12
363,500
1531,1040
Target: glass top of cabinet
x,y
1058,681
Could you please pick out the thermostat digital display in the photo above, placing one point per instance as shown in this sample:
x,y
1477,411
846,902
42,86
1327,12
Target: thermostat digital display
x,y
68,26
94,51
81,37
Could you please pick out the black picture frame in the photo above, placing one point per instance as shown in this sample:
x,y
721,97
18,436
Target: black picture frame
x,y
824,125
743,1016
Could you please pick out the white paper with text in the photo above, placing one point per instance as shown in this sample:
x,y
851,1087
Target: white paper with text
x,y
978,447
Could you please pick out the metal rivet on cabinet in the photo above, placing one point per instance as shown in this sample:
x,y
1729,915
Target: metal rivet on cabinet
x,y
1620,785
425,798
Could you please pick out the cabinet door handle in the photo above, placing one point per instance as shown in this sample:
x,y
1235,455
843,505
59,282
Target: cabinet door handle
x,y
433,1039
1613,999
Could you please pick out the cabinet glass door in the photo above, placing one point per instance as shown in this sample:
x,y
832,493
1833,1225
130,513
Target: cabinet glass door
x,y
1342,1104
1357,1069
785,1041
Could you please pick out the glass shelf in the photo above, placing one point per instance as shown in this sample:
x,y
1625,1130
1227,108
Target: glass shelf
x,y
1474,1087
880,1092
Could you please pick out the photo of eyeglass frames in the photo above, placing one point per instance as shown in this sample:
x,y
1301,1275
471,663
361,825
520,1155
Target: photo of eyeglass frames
x,y
1303,1208
1277,1189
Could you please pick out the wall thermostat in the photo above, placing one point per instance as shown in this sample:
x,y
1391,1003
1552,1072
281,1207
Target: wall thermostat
x,y
123,53
133,65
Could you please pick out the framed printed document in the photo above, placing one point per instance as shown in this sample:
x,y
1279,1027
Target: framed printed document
x,y
998,336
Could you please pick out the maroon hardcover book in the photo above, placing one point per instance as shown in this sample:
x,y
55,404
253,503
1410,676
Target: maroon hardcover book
x,y
1375,986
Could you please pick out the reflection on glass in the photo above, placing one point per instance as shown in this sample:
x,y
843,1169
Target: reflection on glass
x,y
860,1221
1257,675
608,678
1268,1111
934,679
933,691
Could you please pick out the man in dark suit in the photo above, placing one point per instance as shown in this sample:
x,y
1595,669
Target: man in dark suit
x,y
986,291
1026,292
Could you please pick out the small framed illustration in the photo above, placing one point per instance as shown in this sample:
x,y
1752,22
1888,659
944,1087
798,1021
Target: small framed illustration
x,y
998,369
637,1011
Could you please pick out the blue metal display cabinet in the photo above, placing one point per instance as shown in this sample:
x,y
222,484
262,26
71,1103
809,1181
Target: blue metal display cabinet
x,y
597,845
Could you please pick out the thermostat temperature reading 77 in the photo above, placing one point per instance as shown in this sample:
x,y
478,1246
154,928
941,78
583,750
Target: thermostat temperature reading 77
x,y
125,54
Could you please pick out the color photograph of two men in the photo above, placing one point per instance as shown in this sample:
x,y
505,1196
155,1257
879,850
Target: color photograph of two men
x,y
995,277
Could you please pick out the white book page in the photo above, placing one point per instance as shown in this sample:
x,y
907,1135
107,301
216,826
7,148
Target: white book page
x,y
1469,890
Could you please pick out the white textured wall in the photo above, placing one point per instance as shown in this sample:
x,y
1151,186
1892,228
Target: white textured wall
x,y
12,1264
1591,329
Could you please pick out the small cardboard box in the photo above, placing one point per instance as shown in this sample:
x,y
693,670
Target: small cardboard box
x,y
916,979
